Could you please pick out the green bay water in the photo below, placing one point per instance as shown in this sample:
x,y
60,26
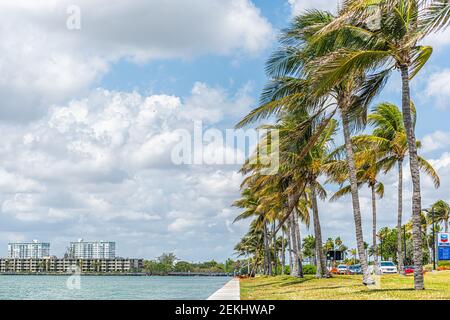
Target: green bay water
x,y
109,287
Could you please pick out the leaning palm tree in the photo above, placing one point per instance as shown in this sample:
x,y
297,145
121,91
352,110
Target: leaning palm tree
x,y
441,211
308,168
392,43
389,137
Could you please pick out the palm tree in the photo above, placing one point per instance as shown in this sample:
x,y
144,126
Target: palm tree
x,y
354,252
368,167
309,168
394,44
389,137
441,211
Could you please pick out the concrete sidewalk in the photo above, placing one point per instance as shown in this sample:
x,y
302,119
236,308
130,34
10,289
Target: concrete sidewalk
x,y
230,291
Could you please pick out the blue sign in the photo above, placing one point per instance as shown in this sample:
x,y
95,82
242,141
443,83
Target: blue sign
x,y
444,253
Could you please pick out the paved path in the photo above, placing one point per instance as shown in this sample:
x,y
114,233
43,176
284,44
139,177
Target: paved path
x,y
230,291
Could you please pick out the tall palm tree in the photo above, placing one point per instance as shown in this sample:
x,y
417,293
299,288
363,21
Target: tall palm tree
x,y
441,211
309,169
368,167
390,139
392,44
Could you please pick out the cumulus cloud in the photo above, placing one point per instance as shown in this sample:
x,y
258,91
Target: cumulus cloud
x,y
439,39
436,141
438,88
100,167
42,62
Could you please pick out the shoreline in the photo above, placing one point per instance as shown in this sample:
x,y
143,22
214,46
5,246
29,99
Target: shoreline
x,y
115,274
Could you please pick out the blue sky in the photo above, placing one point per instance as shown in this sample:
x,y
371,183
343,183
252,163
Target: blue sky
x,y
89,116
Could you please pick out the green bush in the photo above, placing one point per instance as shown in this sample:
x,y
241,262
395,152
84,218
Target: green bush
x,y
309,269
444,264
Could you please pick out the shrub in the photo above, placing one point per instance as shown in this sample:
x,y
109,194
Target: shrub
x,y
428,267
309,269
444,264
287,270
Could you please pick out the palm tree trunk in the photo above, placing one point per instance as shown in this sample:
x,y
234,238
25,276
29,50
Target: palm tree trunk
x,y
446,225
299,243
320,257
268,264
374,230
415,176
290,253
275,253
283,253
294,247
399,218
355,199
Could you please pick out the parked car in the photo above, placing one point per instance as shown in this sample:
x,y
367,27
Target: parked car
x,y
408,269
355,269
387,267
342,269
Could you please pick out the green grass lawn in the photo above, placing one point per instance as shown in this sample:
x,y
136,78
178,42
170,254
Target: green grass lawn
x,y
437,286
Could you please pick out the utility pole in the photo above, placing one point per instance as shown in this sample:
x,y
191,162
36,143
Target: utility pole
x,y
434,240
404,244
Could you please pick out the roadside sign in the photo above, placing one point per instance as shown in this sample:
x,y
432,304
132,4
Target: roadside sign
x,y
443,239
444,253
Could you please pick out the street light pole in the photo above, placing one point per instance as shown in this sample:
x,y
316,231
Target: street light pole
x,y
434,241
404,244
381,247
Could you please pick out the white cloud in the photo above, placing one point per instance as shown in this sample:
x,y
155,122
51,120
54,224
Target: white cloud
x,y
438,88
181,224
44,63
100,167
439,39
436,141
298,6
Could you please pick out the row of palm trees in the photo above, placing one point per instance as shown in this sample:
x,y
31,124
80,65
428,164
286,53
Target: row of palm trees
x,y
325,74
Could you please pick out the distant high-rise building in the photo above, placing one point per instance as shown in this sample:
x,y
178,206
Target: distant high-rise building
x,y
92,250
28,250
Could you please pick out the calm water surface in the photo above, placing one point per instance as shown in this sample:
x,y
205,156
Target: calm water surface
x,y
105,287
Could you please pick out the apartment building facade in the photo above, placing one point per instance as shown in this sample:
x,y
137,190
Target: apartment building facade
x,y
67,265
92,250
28,250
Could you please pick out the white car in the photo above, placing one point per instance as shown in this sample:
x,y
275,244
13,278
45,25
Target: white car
x,y
387,267
342,269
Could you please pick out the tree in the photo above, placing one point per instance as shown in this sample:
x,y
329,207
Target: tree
x,y
392,44
368,167
441,211
353,253
389,137
309,248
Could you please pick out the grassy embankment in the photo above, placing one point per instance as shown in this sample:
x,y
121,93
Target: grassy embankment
x,y
390,287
